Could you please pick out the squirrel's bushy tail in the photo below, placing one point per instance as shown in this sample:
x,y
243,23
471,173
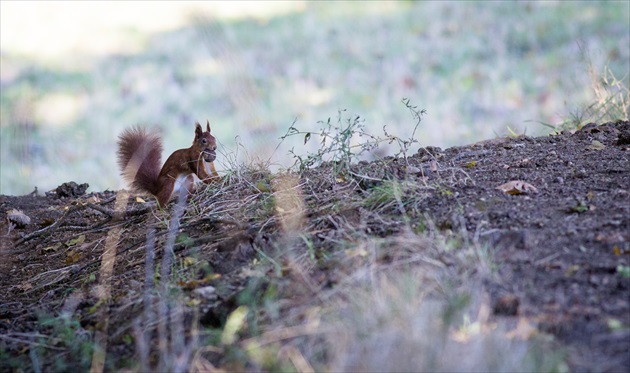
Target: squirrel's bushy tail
x,y
139,158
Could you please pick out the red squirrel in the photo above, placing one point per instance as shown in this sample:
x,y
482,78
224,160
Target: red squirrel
x,y
139,158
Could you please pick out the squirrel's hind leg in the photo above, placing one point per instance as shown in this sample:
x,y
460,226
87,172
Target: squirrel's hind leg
x,y
165,191
185,183
189,184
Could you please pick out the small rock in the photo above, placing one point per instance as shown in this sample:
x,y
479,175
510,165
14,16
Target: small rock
x,y
581,173
412,170
207,292
18,218
135,284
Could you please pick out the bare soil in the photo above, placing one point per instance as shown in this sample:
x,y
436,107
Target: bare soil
x,y
561,253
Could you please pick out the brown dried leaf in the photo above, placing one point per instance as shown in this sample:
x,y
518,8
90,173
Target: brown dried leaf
x,y
25,286
517,187
72,257
53,247
524,330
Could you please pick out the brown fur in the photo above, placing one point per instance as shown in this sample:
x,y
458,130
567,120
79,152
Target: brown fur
x,y
139,158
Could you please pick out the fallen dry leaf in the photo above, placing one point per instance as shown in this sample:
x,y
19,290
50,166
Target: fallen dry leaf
x,y
517,187
610,237
524,330
53,247
77,241
596,145
72,257
25,286
470,164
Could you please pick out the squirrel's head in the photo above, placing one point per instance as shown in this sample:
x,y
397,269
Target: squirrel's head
x,y
205,143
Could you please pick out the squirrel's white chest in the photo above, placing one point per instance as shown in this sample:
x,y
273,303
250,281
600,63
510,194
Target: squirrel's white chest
x,y
185,181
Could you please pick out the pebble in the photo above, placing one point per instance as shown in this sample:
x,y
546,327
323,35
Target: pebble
x,y
207,292
18,218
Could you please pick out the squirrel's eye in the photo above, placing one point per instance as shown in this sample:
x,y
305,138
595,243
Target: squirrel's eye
x,y
204,141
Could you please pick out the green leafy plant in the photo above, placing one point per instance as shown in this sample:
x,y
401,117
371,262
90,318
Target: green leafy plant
x,y
336,143
63,332
339,144
623,270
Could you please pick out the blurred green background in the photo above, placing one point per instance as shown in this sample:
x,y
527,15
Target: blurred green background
x,y
75,74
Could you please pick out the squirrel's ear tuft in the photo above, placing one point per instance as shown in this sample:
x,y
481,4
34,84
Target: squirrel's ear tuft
x,y
198,130
208,125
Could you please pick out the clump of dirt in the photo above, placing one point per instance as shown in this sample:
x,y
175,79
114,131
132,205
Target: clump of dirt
x,y
71,189
559,242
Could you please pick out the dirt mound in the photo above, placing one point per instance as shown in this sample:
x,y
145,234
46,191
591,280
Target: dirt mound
x,y
557,239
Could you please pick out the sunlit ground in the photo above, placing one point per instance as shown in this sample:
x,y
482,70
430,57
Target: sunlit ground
x,y
74,74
